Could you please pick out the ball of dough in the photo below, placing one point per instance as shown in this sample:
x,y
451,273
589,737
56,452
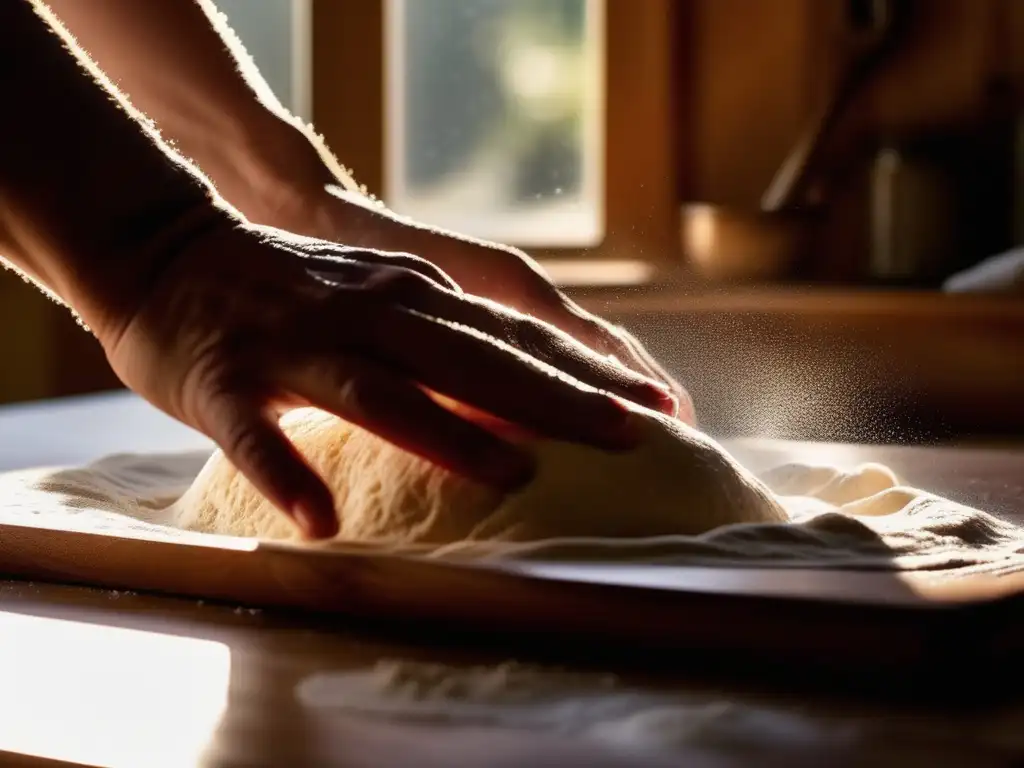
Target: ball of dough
x,y
676,481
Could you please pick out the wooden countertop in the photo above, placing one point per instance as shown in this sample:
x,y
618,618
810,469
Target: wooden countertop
x,y
796,299
99,677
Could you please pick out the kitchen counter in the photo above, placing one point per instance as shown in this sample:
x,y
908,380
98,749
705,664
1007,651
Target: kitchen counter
x,y
99,677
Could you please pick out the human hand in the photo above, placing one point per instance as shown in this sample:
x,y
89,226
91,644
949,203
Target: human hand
x,y
246,322
498,272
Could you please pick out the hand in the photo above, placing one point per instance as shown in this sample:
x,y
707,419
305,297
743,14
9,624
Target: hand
x,y
501,273
248,321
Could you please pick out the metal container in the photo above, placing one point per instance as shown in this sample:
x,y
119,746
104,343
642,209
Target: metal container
x,y
729,244
914,215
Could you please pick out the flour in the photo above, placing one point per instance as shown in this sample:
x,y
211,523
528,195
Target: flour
x,y
847,518
513,692
611,711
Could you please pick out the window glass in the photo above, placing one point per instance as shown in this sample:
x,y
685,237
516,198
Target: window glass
x,y
276,35
494,115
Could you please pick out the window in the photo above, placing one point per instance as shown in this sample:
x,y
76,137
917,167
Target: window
x,y
494,117
276,33
573,155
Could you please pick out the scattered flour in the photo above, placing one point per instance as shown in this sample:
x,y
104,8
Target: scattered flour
x,y
609,710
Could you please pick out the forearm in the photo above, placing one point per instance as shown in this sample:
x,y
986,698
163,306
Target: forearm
x,y
90,200
181,65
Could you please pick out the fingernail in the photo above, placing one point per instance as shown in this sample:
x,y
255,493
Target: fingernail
x,y
668,403
657,396
314,525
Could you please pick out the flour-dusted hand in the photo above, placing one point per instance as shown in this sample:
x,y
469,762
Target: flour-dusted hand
x,y
248,321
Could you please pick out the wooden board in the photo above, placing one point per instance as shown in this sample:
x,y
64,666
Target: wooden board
x,y
875,625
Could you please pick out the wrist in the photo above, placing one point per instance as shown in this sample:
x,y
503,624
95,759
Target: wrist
x,y
271,169
117,291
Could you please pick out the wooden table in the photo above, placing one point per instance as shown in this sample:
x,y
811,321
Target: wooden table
x,y
94,677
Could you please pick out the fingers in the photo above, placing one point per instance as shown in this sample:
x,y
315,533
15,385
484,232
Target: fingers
x,y
684,410
339,261
629,353
481,372
537,339
398,411
617,341
252,441
357,264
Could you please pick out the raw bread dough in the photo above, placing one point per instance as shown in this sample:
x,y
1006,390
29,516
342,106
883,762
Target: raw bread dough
x,y
861,518
677,481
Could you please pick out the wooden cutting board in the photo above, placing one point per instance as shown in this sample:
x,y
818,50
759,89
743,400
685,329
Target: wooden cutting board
x,y
846,628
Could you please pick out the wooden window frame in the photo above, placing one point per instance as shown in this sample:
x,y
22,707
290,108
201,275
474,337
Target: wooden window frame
x,y
642,136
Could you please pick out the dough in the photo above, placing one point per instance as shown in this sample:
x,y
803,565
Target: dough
x,y
860,518
677,481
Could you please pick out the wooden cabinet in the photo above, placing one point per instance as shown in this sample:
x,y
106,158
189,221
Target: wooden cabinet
x,y
43,352
24,347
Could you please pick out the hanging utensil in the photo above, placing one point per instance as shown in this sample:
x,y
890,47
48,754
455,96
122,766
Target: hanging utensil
x,y
871,27
728,243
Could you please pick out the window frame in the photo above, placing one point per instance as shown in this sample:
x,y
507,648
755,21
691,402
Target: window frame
x,y
643,136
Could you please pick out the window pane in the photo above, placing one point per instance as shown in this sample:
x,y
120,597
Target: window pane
x,y
276,35
495,117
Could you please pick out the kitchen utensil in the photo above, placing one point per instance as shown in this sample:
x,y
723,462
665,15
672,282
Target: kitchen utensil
x,y
733,244
914,214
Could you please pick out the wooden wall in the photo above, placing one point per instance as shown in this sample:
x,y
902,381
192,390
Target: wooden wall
x,y
43,352
750,89
25,341
758,67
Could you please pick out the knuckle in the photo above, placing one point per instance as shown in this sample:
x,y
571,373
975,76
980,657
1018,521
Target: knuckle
x,y
539,339
427,269
533,338
205,388
220,396
339,271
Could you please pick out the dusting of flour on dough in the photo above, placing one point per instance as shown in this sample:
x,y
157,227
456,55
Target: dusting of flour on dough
x,y
884,525
675,482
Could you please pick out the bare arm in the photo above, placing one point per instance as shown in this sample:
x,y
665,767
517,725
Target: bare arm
x,y
182,65
222,325
91,201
